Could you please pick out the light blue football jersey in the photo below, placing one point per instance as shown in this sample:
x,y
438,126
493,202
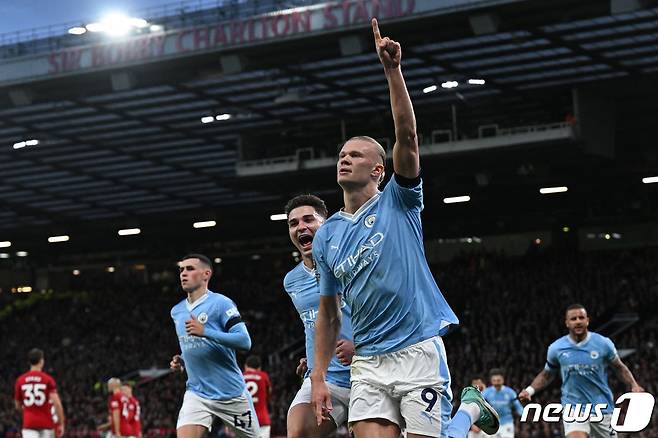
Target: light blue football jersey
x,y
583,367
376,258
302,287
503,401
212,370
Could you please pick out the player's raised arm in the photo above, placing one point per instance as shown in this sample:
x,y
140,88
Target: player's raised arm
x,y
406,161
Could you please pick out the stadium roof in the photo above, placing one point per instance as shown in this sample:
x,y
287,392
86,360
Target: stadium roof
x,y
121,146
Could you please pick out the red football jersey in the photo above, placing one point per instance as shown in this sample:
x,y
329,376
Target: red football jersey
x,y
259,386
32,391
120,402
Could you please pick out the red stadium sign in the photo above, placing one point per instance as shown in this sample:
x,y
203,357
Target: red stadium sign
x,y
248,31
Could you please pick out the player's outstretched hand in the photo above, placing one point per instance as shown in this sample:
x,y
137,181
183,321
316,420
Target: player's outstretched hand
x,y
320,399
177,364
389,51
302,367
61,429
193,326
344,351
524,396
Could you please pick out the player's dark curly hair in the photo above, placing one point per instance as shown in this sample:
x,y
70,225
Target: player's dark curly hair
x,y
310,200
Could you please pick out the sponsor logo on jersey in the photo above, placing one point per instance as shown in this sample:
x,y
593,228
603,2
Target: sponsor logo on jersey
x,y
365,254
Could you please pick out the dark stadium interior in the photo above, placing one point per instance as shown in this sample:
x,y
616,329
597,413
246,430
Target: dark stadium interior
x,y
570,99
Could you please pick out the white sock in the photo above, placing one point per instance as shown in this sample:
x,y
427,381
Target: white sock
x,y
472,409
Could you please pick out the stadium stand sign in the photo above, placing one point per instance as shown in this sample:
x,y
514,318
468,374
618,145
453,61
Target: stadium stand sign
x,y
177,43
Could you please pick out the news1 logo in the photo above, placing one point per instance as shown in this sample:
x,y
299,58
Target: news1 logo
x,y
637,418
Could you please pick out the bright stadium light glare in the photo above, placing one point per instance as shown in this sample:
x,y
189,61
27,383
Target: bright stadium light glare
x,y
156,28
56,239
4,255
218,260
223,117
279,217
204,224
129,232
5,244
21,253
650,180
430,89
77,30
110,269
207,119
549,190
116,25
95,27
76,272
456,199
22,144
139,23
450,84
476,81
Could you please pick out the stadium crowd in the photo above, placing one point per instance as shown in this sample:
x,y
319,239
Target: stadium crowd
x,y
510,308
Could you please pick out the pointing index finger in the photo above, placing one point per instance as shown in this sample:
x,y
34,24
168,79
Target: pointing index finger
x,y
375,31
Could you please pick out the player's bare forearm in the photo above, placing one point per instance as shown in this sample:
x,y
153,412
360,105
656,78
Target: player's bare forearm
x,y
116,423
542,380
327,326
59,409
104,426
18,406
406,159
625,374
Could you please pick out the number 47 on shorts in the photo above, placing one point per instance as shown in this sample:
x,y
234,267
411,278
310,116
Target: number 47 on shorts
x,y
240,422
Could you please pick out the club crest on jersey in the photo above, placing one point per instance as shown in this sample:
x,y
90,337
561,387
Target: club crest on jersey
x,y
369,221
202,318
594,354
